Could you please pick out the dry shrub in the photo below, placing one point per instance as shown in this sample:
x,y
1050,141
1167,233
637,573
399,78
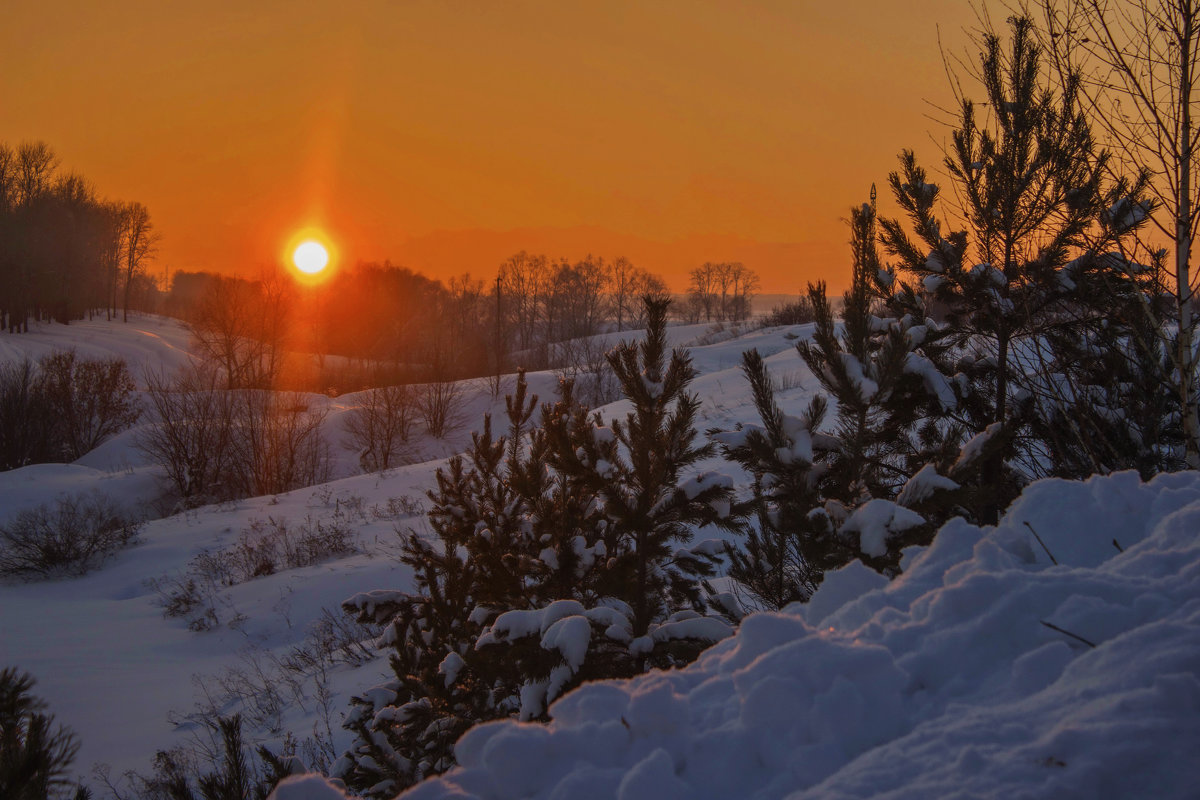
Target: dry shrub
x,y
68,537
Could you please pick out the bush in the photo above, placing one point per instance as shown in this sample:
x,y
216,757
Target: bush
x,y
88,400
217,444
228,768
798,312
62,407
440,404
380,428
264,548
70,536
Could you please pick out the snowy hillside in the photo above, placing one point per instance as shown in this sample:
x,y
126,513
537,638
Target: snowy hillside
x,y
100,647
944,682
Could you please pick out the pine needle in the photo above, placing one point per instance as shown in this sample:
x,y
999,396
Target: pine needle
x,y
1043,544
1054,627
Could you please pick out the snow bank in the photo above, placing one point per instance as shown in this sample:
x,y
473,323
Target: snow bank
x,y
943,683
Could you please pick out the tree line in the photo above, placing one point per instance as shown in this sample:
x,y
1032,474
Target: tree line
x,y
536,313
65,252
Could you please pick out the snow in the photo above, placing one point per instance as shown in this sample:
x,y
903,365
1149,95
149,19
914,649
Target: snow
x,y
942,683
974,446
935,381
1126,213
451,665
922,485
692,487
857,375
876,520
570,637
519,624
306,787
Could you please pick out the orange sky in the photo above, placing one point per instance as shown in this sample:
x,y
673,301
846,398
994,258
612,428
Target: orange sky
x,y
447,135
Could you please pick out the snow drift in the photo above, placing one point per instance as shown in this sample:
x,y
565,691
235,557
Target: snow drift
x,y
985,670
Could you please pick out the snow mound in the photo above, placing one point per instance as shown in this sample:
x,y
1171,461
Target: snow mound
x,y
948,682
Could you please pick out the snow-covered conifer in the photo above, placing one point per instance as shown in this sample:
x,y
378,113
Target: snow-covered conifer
x,y
634,467
1036,261
787,547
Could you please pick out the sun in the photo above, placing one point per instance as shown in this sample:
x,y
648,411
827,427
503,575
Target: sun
x,y
310,257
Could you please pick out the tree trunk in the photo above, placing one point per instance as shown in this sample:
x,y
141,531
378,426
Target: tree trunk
x,y
1183,244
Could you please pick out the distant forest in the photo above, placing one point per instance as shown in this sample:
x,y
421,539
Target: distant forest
x,y
67,254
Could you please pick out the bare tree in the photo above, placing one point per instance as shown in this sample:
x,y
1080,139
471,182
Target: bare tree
x,y
524,278
440,403
702,289
1140,65
380,428
623,291
743,283
277,442
627,287
240,326
219,444
192,435
35,167
141,243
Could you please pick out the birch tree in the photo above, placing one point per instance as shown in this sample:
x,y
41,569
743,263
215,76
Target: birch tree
x,y
1140,59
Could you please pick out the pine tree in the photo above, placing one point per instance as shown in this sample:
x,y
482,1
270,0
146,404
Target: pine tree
x,y
34,755
1107,401
642,596
787,549
1036,259
560,557
897,412
405,730
633,468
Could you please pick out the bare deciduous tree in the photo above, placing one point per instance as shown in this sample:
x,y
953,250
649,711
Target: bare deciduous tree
x,y
440,402
240,327
380,428
1140,66
192,434
140,245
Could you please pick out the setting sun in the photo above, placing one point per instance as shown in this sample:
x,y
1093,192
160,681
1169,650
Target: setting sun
x,y
310,257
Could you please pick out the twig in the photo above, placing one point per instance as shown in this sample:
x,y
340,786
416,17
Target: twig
x,y
1054,627
1043,544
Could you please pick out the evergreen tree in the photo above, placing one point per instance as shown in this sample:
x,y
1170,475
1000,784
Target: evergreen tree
x,y
876,481
646,593
1038,261
633,468
406,730
560,556
1106,401
34,755
787,548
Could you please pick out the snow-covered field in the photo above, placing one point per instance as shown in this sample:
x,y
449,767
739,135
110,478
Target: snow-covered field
x,y
945,682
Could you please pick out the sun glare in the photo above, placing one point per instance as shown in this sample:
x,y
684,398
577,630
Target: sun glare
x,y
310,257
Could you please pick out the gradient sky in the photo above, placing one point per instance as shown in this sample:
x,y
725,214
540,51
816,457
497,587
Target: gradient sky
x,y
447,135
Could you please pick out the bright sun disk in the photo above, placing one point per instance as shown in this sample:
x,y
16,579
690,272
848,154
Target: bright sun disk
x,y
310,257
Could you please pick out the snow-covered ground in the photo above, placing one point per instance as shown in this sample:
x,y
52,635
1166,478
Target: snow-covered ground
x,y
947,682
942,683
